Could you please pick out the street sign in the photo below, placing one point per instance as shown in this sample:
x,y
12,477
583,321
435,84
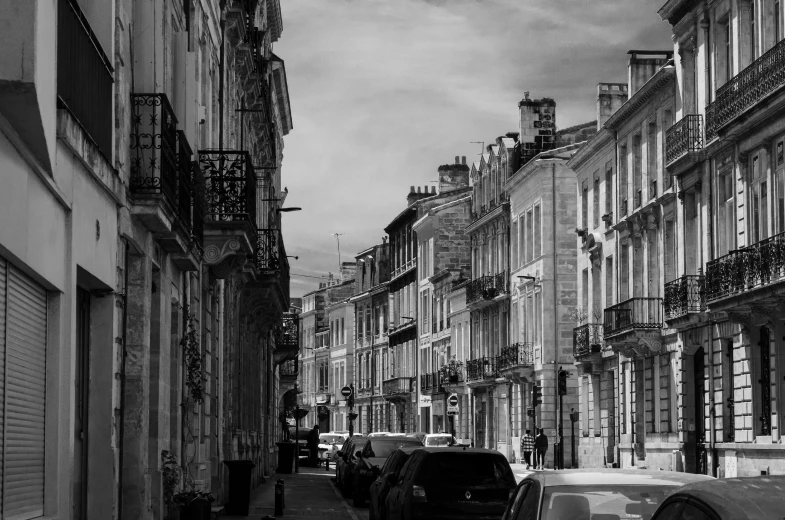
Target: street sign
x,y
452,405
346,391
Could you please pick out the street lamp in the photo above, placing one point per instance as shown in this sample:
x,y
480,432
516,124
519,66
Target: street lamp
x,y
286,210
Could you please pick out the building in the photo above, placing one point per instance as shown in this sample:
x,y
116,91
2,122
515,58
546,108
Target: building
x,y
371,303
340,316
143,315
453,375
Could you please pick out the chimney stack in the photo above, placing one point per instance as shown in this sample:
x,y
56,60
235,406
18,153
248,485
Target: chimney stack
x,y
453,176
610,96
643,65
456,160
463,160
537,126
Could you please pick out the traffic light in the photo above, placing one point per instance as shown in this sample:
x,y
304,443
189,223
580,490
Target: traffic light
x,y
563,381
536,395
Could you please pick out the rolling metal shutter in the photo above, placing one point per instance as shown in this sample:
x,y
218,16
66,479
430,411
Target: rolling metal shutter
x,y
24,394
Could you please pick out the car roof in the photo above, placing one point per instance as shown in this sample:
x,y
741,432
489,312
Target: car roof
x,y
616,476
456,449
752,498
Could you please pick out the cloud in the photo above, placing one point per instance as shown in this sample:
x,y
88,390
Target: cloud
x,y
384,91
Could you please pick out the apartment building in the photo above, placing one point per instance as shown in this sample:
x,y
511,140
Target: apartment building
x,y
452,375
340,316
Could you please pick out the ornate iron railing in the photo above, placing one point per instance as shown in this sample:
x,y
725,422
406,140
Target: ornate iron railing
x,y
482,368
84,75
153,147
586,339
288,334
684,137
747,268
290,367
230,185
449,374
684,295
486,287
517,354
635,313
268,248
185,188
409,264
397,385
761,78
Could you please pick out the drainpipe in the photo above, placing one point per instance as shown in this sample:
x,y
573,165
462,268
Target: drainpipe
x,y
555,299
121,433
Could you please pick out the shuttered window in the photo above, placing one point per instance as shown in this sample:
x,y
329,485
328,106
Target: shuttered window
x,y
22,393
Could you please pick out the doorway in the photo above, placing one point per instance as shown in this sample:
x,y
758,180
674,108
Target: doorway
x,y
699,379
81,393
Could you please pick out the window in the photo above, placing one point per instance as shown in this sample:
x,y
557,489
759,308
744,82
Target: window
x,y
651,152
777,23
584,204
623,193
596,405
608,187
624,273
596,200
759,203
538,318
724,51
779,175
753,34
584,406
637,172
727,239
537,231
609,281
529,236
521,239
667,122
514,240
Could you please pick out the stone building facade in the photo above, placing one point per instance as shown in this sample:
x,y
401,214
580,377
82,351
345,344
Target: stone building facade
x,y
453,377
130,257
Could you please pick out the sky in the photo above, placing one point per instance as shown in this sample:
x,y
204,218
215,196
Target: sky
x,y
384,91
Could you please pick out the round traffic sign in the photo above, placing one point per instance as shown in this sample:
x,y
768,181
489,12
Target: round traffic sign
x,y
346,391
452,400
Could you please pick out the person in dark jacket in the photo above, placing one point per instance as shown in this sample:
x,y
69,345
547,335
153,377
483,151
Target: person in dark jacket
x,y
313,445
540,447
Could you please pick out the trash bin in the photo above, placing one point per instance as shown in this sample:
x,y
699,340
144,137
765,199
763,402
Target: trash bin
x,y
239,486
286,457
197,509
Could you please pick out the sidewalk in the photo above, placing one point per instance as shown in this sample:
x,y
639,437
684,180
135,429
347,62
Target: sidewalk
x,y
308,493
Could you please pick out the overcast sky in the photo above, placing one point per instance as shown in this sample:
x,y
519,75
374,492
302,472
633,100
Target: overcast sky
x,y
384,91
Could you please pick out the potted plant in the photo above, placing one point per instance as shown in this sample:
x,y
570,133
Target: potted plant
x,y
451,370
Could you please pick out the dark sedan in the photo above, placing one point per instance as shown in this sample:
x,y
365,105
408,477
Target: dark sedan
x,y
387,477
374,454
347,459
451,483
749,498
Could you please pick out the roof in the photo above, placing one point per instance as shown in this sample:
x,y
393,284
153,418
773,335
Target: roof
x,y
631,477
745,498
442,449
282,92
508,142
588,149
662,77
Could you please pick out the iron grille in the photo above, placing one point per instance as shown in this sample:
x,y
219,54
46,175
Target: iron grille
x,y
482,368
290,367
397,385
486,287
230,185
586,339
153,147
635,313
288,333
684,295
517,354
448,374
684,137
268,249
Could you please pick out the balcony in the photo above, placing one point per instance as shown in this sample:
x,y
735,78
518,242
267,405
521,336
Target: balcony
x,y
517,354
397,388
486,288
757,266
406,266
492,205
84,76
683,141
752,85
684,296
451,375
268,249
287,338
587,342
289,368
482,369
634,326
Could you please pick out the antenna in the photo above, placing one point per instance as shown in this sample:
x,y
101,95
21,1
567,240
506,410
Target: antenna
x,y
338,242
482,145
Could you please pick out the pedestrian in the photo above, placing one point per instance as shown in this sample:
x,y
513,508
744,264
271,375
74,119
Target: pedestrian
x,y
313,446
527,447
541,447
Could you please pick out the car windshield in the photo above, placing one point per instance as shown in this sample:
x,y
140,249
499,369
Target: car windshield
x,y
384,447
439,440
612,501
460,468
330,439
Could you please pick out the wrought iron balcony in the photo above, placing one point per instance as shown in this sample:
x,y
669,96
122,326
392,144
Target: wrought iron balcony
x,y
290,368
288,334
633,314
409,264
481,369
683,296
153,148
762,77
486,287
84,75
517,354
586,340
758,265
450,375
684,137
268,246
230,185
397,386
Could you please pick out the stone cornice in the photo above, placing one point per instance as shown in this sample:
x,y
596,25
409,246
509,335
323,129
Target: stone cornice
x,y
588,150
663,77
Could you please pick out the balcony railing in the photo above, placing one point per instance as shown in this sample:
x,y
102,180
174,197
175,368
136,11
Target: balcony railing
x,y
154,147
481,369
230,185
290,368
409,264
486,287
684,137
684,295
268,249
761,78
288,334
635,313
758,265
586,339
517,354
448,375
397,386
84,75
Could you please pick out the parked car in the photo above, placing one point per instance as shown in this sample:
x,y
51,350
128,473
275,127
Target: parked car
x,y
347,458
330,444
594,494
746,498
378,434
439,439
451,483
377,494
373,456
417,435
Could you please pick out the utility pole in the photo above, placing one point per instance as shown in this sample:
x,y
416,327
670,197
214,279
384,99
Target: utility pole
x,y
482,146
338,242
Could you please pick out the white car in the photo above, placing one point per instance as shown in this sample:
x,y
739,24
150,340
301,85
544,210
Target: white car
x,y
330,444
378,434
436,440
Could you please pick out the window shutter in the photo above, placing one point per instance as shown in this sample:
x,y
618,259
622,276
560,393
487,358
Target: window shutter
x,y
25,398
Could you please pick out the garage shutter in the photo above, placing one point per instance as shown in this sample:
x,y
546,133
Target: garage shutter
x,y
24,395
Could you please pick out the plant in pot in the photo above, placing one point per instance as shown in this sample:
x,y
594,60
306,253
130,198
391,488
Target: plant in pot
x,y
450,371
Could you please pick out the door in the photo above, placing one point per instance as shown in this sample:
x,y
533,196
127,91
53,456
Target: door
x,y
699,366
81,394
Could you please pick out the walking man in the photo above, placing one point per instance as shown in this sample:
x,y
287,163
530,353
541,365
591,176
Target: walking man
x,y
527,447
541,447
313,445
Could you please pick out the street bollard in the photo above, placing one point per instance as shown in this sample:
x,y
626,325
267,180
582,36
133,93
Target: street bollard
x,y
279,497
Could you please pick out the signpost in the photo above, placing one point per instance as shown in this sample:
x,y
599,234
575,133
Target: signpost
x,y
452,411
346,391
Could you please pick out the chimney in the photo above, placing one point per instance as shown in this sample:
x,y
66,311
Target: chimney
x,y
453,176
456,160
463,160
417,195
643,65
348,270
537,126
610,96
